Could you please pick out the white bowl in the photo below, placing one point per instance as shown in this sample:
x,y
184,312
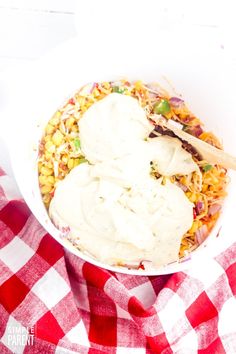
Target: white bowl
x,y
203,80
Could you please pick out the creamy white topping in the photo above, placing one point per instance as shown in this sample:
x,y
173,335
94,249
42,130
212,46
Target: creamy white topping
x,y
165,153
117,224
111,126
130,169
115,210
169,157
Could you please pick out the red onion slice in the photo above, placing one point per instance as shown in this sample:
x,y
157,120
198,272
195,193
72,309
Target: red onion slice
x,y
176,102
199,207
94,85
201,234
194,130
214,208
182,186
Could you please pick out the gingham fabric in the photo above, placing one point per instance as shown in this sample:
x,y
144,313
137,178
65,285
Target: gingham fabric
x,y
74,307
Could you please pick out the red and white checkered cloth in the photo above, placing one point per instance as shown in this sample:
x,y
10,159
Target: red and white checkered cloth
x,y
75,307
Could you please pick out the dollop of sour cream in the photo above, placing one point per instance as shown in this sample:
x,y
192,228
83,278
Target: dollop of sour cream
x,y
116,211
117,224
111,127
169,156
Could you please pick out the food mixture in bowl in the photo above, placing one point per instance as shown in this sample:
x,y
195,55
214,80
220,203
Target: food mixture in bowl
x,y
121,186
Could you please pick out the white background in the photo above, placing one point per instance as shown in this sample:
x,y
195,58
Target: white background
x,y
28,30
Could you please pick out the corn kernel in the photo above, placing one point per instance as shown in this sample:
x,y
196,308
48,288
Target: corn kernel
x,y
70,164
106,85
50,179
46,189
214,179
46,180
188,194
57,138
50,147
47,155
47,138
74,128
46,199
46,171
83,109
89,104
96,93
69,122
193,197
49,164
42,179
55,119
49,129
183,180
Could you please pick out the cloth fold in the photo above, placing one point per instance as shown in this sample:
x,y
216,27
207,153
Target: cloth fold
x,y
54,302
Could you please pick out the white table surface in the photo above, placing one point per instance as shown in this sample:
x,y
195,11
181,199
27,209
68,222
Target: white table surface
x,y
30,28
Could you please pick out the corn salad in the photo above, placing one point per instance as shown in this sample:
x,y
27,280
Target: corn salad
x,y
60,151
